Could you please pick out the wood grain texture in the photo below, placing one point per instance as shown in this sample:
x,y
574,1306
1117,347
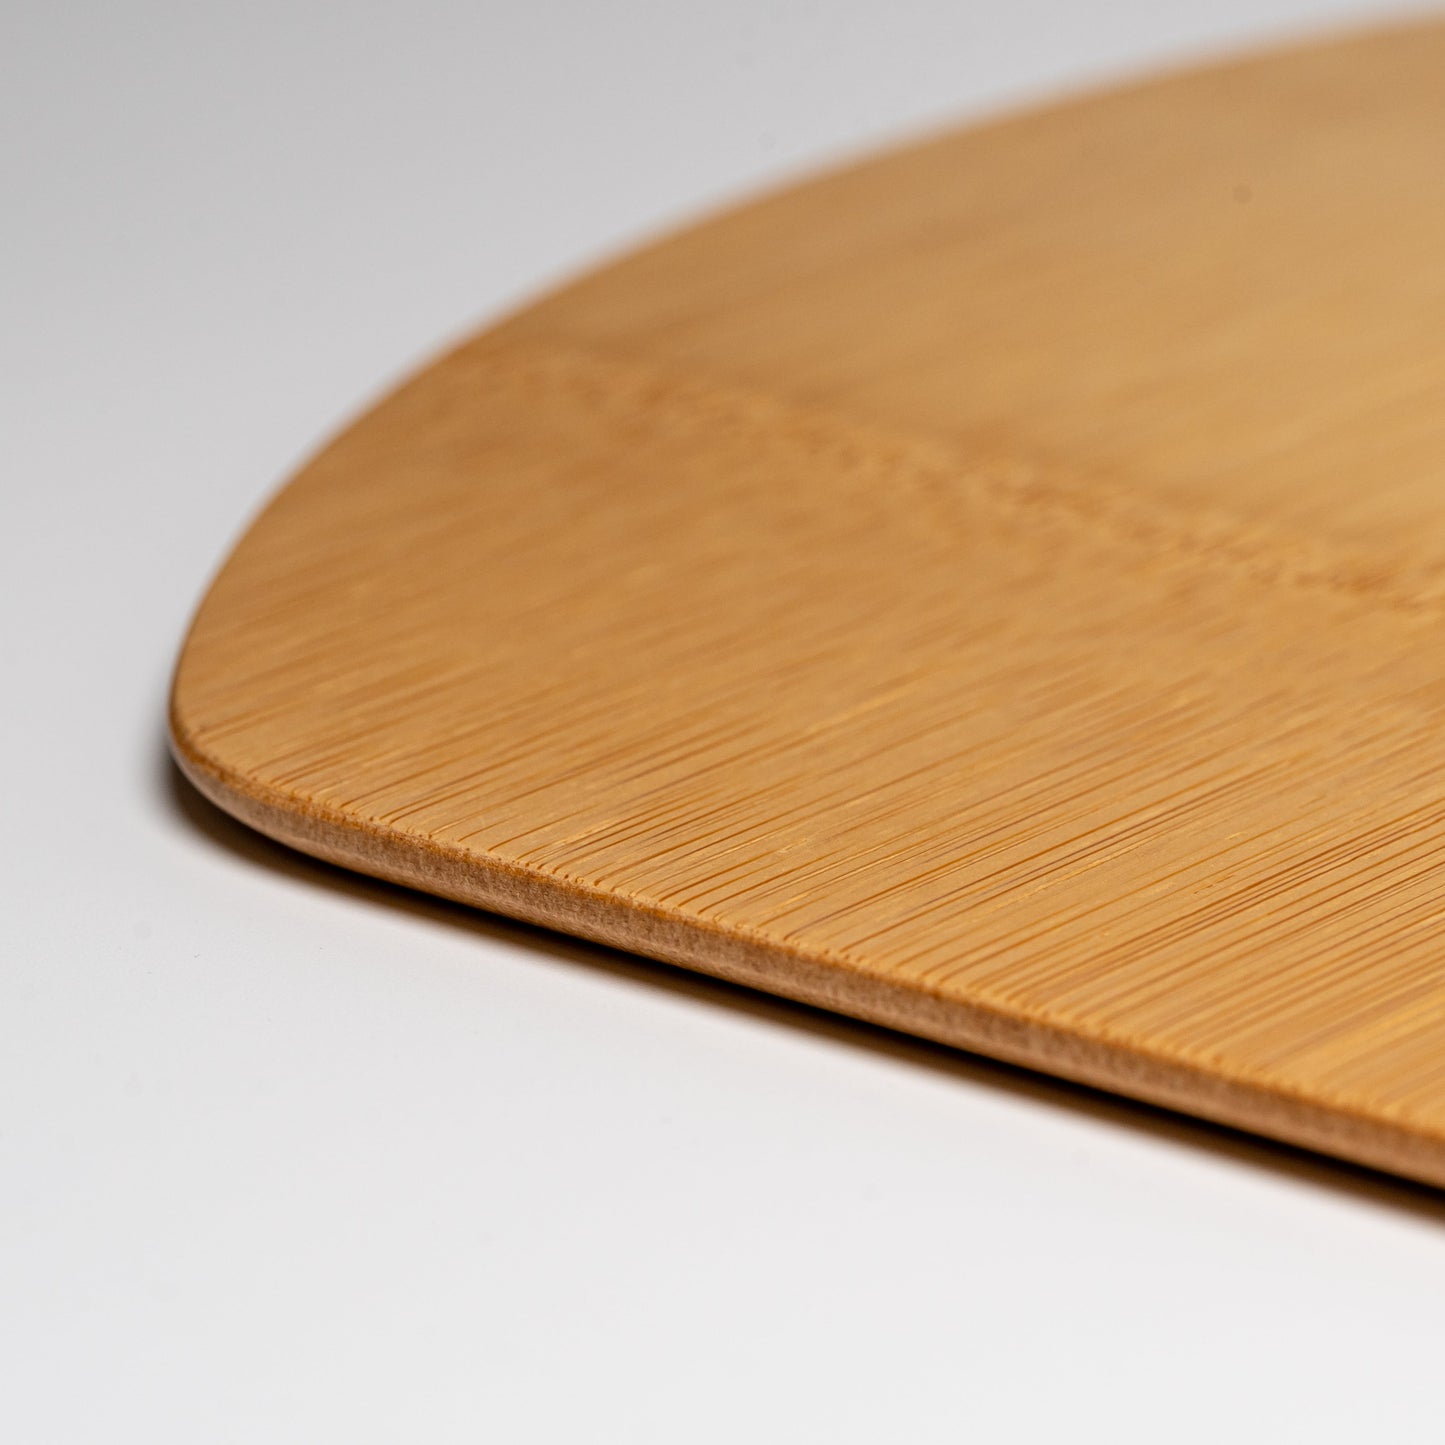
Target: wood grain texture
x,y
996,591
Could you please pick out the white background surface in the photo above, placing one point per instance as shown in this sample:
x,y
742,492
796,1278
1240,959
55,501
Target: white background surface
x,y
286,1156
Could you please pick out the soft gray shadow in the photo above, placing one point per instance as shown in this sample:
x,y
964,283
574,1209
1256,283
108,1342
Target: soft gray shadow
x,y
210,823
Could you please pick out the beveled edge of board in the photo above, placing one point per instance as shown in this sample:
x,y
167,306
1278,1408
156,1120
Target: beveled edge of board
x,y
557,903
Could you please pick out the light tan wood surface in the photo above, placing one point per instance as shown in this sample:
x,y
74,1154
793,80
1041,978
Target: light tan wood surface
x,y
996,591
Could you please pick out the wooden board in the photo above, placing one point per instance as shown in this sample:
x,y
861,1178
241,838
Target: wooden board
x,y
997,591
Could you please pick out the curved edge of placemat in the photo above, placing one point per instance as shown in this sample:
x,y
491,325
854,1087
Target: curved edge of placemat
x,y
553,902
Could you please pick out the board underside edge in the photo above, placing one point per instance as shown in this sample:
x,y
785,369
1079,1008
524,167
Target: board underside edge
x,y
545,901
